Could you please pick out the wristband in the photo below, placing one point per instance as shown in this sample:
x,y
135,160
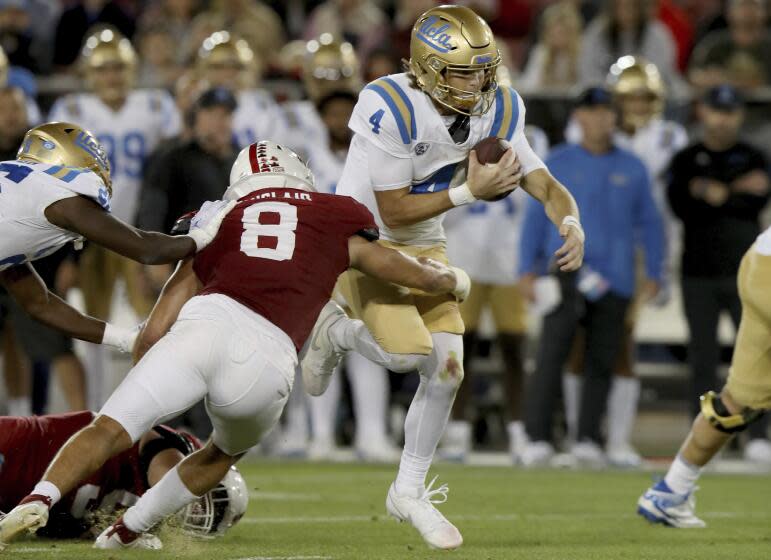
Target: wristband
x,y
119,337
461,195
573,222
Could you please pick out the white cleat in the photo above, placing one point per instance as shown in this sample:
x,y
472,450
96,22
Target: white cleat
x,y
588,454
456,441
321,358
118,536
660,505
25,517
623,456
380,450
536,454
421,513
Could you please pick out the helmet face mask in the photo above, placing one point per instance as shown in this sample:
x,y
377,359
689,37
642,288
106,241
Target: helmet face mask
x,y
66,144
448,40
218,510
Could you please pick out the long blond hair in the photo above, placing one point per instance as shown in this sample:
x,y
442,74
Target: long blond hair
x,y
567,12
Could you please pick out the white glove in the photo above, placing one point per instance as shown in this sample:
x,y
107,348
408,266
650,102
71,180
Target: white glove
x,y
206,223
121,338
462,283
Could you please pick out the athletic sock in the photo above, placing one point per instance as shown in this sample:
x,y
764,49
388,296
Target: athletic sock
x,y
168,496
571,395
622,409
682,476
47,490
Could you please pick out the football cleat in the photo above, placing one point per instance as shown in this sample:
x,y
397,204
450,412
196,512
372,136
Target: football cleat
x,y
27,516
456,442
421,513
118,536
536,454
321,358
588,454
623,456
758,451
660,504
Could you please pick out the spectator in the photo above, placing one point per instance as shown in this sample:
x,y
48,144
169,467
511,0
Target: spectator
x,y
16,33
176,17
717,188
554,59
181,175
381,62
407,13
676,19
158,66
738,55
41,344
361,22
24,80
251,20
613,191
626,28
76,22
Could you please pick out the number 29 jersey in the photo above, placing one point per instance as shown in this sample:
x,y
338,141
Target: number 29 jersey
x,y
279,252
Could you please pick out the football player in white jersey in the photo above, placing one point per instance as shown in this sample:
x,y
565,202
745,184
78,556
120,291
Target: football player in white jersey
x,y
483,238
58,191
640,96
227,61
328,66
411,131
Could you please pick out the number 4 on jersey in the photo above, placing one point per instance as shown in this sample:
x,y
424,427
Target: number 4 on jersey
x,y
374,120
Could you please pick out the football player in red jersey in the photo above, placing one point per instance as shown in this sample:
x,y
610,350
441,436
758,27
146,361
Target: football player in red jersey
x,y
28,444
238,312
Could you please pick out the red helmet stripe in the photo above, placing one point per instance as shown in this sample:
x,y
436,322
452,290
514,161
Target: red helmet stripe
x,y
253,158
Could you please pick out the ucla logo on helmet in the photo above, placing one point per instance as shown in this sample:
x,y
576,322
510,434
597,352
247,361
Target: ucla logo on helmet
x,y
90,145
48,145
435,36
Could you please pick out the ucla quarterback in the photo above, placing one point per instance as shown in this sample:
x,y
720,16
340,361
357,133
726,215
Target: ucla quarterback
x,y
411,131
228,61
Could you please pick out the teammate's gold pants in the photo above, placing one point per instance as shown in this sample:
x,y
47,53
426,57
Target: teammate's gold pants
x,y
506,304
749,379
401,320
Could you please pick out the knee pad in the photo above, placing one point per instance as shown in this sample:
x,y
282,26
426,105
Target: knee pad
x,y
715,411
446,361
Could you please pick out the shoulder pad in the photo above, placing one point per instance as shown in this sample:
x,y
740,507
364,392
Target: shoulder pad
x,y
399,105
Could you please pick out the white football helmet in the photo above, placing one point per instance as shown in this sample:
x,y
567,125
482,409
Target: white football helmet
x,y
266,164
218,510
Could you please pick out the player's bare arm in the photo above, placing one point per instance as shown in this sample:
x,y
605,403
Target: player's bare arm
x,y
394,267
398,208
83,216
562,210
182,285
29,290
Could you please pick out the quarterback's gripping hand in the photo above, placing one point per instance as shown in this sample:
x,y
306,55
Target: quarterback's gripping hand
x,y
206,222
571,255
492,180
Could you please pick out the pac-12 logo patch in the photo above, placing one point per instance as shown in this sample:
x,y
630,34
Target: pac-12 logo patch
x,y
422,148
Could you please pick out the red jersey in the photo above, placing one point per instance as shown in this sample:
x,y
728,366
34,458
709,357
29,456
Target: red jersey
x,y
27,447
280,251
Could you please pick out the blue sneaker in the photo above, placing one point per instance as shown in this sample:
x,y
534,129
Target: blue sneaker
x,y
660,504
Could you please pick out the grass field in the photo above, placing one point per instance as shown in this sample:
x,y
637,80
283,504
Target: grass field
x,y
303,511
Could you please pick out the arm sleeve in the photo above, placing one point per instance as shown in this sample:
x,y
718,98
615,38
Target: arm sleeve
x,y
650,227
527,156
387,172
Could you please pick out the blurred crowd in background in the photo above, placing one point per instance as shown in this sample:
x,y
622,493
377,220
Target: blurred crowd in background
x,y
174,88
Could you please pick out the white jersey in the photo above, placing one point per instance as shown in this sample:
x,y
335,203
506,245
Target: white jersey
x,y
129,135
26,190
306,130
403,122
258,117
483,238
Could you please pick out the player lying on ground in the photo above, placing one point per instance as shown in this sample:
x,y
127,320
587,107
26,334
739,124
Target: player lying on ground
x,y
260,286
58,191
28,444
745,398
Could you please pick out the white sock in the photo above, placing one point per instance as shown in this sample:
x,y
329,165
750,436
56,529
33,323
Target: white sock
x,y
682,476
571,395
352,335
517,437
622,409
19,406
167,497
323,410
49,490
369,392
427,416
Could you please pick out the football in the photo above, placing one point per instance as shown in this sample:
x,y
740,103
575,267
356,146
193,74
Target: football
x,y
491,150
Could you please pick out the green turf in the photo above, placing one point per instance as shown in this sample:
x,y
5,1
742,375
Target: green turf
x,y
316,512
